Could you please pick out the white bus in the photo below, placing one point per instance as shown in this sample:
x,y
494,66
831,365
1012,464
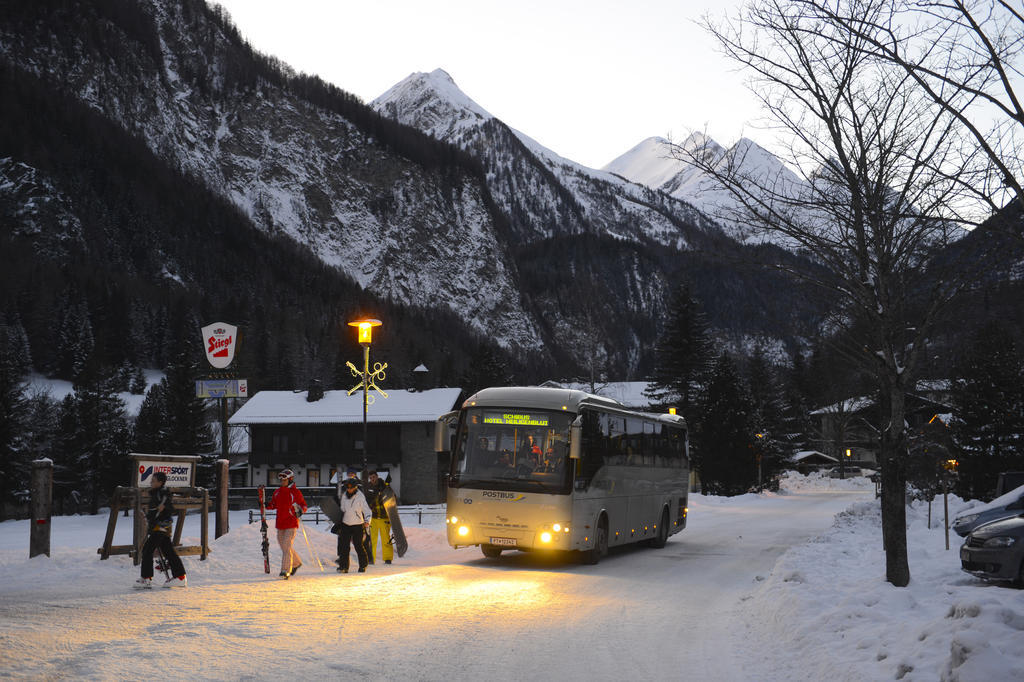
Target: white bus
x,y
556,469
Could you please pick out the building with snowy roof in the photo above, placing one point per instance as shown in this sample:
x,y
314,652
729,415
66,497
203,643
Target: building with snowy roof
x,y
319,433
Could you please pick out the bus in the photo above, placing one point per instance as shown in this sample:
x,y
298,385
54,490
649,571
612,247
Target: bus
x,y
537,468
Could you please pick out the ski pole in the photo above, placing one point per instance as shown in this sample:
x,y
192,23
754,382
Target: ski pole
x,y
310,546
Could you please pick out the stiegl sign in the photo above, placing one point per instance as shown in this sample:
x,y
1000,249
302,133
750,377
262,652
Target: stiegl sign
x,y
219,342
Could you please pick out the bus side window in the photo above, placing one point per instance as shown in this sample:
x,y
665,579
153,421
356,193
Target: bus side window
x,y
652,454
594,445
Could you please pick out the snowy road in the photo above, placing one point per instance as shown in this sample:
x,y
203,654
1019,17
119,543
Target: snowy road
x,y
437,614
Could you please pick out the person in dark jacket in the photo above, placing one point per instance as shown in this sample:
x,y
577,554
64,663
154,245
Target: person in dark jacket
x,y
289,505
159,512
355,520
380,524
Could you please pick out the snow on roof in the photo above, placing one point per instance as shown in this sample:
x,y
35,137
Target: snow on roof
x,y
337,407
847,406
629,393
934,385
800,456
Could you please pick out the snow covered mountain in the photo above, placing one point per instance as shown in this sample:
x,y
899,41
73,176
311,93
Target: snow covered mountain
x,y
542,193
658,164
174,73
594,300
424,199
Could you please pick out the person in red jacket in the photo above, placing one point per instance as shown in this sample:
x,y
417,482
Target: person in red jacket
x,y
289,505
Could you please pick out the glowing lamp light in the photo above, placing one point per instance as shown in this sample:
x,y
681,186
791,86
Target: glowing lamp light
x,y
365,329
545,537
463,531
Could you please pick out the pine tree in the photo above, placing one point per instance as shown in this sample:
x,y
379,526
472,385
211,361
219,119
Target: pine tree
x,y
148,432
14,454
97,433
682,354
988,416
187,429
725,435
137,385
41,428
75,341
773,443
487,367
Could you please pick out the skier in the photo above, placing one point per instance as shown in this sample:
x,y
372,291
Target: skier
x,y
380,524
159,512
355,519
289,505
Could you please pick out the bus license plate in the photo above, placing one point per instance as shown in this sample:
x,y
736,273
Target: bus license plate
x,y
507,542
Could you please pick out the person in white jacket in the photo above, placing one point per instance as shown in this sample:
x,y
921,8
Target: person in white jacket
x,y
355,520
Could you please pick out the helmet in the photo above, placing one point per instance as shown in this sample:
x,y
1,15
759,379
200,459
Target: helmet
x,y
287,473
351,481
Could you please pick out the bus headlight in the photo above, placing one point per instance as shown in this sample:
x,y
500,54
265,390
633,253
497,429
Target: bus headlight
x,y
556,527
545,537
454,519
463,531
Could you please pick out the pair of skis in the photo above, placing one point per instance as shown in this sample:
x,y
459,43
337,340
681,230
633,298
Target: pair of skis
x,y
263,530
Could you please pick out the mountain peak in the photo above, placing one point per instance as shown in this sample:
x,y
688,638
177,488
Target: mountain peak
x,y
431,102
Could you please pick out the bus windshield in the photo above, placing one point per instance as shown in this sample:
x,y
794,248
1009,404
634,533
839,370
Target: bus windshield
x,y
513,449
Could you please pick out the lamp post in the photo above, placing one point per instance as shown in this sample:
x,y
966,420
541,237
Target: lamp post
x,y
760,447
365,328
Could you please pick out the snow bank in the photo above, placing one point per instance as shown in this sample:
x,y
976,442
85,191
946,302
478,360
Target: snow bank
x,y
826,611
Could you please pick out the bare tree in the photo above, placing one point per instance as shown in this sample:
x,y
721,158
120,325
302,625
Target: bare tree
x,y
965,56
869,196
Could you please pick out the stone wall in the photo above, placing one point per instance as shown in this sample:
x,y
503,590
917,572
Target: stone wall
x,y
419,465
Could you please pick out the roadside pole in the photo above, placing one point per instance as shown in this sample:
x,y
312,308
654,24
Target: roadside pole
x,y
41,504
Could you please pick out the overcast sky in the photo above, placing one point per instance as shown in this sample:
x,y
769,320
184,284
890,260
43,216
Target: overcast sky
x,y
588,79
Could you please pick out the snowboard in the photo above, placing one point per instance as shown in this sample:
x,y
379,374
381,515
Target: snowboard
x,y
397,532
329,506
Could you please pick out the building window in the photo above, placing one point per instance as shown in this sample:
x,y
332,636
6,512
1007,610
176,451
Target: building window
x,y
280,444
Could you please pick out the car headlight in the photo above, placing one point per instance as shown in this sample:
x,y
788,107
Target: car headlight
x,y
959,521
1001,541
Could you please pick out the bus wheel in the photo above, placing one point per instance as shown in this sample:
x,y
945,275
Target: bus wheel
x,y
490,551
662,537
600,548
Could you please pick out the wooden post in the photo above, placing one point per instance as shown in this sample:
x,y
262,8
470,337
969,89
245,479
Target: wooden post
x,y
41,504
204,527
221,527
140,524
945,505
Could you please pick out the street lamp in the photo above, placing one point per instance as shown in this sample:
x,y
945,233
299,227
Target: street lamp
x,y
760,447
365,328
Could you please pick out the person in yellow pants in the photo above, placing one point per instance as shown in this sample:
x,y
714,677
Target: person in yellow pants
x,y
380,526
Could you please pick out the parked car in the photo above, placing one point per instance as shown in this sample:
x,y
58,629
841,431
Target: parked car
x,y
995,551
850,472
1004,506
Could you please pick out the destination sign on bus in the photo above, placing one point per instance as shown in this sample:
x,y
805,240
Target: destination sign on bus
x,y
515,419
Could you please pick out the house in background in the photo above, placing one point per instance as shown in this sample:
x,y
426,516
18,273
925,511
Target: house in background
x,y
807,461
318,433
848,429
